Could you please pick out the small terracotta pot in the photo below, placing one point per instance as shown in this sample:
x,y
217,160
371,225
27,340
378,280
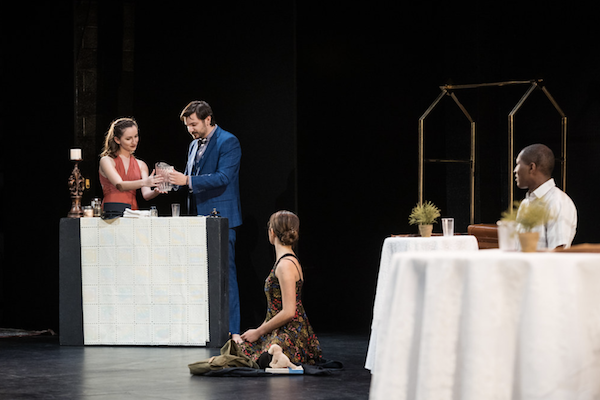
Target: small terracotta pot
x,y
529,241
425,230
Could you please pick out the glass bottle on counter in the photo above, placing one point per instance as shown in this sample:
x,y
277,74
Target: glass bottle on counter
x,y
97,206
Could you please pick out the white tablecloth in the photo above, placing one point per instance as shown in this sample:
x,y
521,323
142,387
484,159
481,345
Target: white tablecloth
x,y
489,325
393,245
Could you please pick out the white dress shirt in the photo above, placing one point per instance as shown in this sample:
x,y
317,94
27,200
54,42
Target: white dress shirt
x,y
560,230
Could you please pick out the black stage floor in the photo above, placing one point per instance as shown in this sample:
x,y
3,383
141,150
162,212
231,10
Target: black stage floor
x,y
39,368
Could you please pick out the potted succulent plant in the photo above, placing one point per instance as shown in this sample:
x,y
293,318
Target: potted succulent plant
x,y
424,215
531,214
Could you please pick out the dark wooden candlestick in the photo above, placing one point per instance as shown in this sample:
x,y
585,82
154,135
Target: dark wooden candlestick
x,y
76,187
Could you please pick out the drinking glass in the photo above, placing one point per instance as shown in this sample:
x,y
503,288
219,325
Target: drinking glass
x,y
175,207
448,226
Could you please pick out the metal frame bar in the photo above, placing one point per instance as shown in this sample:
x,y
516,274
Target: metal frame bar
x,y
511,133
421,141
449,90
511,142
470,161
563,134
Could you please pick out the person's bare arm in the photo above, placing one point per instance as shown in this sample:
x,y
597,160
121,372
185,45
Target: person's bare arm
x,y
287,275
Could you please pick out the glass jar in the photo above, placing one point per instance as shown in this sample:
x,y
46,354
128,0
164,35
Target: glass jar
x,y
97,206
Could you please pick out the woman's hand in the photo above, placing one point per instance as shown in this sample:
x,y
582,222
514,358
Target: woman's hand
x,y
152,180
149,182
251,335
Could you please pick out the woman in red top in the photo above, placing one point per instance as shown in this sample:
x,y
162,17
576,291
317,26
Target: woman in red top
x,y
121,174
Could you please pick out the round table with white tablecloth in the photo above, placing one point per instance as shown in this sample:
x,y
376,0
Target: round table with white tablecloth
x,y
489,325
400,244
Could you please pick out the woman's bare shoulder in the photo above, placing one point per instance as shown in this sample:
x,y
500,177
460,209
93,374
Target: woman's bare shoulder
x,y
107,161
289,265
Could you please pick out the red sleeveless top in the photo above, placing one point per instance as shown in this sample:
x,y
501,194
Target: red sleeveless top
x,y
111,193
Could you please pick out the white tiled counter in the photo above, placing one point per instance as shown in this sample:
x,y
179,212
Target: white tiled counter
x,y
143,281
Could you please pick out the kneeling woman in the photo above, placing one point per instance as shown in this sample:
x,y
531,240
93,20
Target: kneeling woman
x,y
286,323
121,174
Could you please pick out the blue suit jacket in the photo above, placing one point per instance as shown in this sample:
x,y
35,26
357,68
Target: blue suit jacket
x,y
215,183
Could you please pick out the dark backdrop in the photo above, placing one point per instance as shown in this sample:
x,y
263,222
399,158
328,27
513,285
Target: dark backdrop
x,y
325,102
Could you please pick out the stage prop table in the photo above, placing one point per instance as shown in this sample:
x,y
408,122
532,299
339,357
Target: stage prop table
x,y
400,244
144,281
489,325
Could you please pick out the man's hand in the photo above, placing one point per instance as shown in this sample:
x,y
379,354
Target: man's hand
x,y
177,178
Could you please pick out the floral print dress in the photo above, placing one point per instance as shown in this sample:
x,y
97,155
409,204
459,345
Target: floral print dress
x,y
296,338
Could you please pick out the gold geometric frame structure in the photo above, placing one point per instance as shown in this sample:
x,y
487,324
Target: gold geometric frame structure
x,y
448,90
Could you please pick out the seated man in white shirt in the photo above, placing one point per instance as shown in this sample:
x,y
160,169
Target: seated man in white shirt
x,y
533,171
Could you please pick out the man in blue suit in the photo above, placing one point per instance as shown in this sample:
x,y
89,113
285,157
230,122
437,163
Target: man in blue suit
x,y
212,179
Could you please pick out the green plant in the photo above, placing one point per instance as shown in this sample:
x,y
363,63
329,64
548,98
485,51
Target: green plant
x,y
511,213
532,214
424,214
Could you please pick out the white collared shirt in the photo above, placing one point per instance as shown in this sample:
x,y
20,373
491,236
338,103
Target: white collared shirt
x,y
561,230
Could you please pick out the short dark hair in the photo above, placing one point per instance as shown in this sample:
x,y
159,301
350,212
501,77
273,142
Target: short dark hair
x,y
200,108
541,155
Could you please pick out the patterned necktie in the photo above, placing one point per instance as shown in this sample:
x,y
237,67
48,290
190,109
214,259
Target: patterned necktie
x,y
201,142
